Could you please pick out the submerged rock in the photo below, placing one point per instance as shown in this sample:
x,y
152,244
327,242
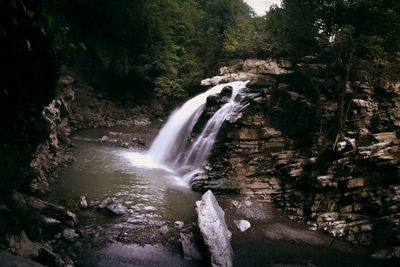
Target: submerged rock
x,y
113,207
214,230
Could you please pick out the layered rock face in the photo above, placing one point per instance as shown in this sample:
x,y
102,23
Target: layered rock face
x,y
271,150
216,236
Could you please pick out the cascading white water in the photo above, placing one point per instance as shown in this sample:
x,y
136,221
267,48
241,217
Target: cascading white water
x,y
172,150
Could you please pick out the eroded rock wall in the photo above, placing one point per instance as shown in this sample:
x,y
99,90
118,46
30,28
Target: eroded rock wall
x,y
78,107
271,151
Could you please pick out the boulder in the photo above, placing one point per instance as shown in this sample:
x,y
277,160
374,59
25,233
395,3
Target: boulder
x,y
51,210
226,91
212,81
214,230
23,246
179,224
113,207
70,235
242,225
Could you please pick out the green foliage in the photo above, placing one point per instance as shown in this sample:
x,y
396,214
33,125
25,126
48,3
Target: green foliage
x,y
299,26
248,39
130,44
170,89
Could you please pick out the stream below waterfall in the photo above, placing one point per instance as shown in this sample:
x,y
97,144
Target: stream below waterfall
x,y
155,198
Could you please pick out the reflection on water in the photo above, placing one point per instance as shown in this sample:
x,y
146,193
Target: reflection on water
x,y
100,171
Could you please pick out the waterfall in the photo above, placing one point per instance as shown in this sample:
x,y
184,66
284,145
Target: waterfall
x,y
173,149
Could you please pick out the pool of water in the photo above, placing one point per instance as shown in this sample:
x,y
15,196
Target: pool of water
x,y
155,196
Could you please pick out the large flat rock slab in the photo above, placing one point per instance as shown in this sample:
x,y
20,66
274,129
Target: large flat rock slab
x,y
213,228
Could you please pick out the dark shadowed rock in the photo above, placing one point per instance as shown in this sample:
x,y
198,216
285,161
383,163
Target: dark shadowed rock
x,y
52,210
214,230
189,247
226,91
21,245
70,235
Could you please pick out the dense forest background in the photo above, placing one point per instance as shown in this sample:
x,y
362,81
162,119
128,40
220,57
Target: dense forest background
x,y
142,49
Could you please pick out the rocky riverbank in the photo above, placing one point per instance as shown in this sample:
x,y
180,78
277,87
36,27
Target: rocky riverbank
x,y
77,107
271,151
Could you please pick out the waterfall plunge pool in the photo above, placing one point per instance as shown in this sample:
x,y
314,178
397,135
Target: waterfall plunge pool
x,y
154,185
155,196
151,185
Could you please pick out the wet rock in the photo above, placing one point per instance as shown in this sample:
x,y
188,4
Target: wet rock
x,y
242,225
112,207
8,260
179,224
82,202
51,210
72,216
214,230
226,91
22,246
189,247
70,235
105,138
211,81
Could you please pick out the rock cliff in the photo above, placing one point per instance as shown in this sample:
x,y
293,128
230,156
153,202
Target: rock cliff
x,y
273,150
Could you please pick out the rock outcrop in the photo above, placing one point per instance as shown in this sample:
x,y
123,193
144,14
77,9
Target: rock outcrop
x,y
214,230
272,151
